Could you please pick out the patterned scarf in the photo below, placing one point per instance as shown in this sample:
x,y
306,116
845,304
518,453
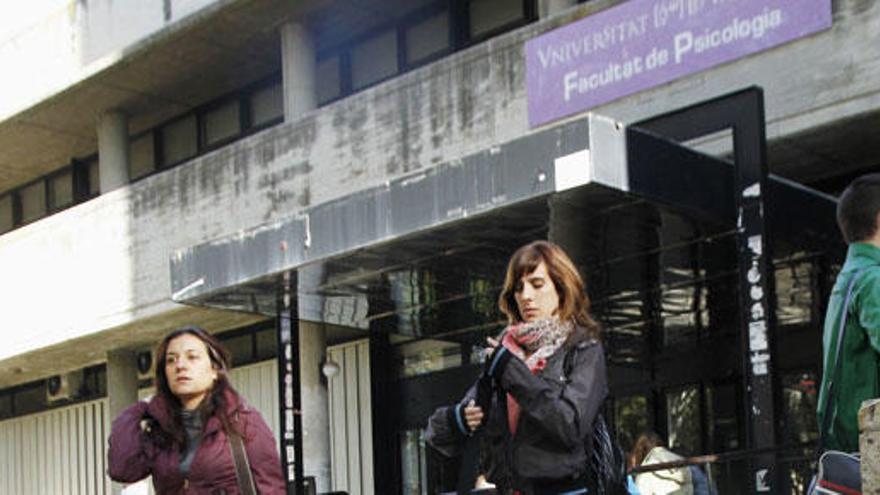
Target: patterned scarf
x,y
533,343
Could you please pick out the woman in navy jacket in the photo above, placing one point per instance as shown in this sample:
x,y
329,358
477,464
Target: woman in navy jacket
x,y
547,371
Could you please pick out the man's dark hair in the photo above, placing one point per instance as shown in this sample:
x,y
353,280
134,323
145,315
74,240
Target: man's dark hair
x,y
858,207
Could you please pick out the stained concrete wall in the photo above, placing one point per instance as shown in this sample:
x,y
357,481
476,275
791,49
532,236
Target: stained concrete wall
x,y
104,264
53,44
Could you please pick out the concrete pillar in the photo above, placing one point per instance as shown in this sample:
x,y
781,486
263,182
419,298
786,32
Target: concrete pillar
x,y
122,386
113,150
297,71
869,445
315,412
547,8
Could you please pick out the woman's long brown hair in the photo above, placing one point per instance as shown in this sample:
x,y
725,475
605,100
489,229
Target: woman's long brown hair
x,y
213,405
645,443
574,304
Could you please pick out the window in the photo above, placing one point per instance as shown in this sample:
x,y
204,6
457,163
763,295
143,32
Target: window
x,y
267,105
61,190
723,409
222,123
428,37
5,405
267,344
427,356
799,396
30,399
630,418
179,140
329,79
33,202
94,178
683,413
7,220
488,15
374,60
428,30
141,156
413,466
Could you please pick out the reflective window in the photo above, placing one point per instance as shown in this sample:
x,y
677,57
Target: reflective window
x,y
31,399
413,468
683,420
267,344
94,178
141,156
487,15
426,356
723,415
5,405
33,202
61,190
374,59
241,348
329,79
6,218
630,419
222,123
427,37
799,395
179,140
267,105
794,292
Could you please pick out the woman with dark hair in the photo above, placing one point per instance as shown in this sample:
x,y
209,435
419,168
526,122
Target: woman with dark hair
x,y
547,370
183,435
651,449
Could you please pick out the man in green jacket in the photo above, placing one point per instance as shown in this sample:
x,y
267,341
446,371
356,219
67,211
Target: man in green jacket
x,y
858,377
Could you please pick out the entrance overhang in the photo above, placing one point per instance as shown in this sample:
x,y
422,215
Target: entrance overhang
x,y
496,197
422,256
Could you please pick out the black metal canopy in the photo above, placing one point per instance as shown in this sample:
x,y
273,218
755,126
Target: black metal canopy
x,y
467,217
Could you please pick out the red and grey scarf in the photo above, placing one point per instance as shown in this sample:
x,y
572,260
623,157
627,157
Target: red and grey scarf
x,y
533,343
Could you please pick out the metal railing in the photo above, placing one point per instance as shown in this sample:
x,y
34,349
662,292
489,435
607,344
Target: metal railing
x,y
728,472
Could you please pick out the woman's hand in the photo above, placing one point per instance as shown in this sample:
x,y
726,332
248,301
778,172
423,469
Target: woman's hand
x,y
473,415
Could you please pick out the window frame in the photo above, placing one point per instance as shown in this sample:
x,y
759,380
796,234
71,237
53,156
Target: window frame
x,y
459,39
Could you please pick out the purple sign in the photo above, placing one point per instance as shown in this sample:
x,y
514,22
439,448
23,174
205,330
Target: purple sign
x,y
640,44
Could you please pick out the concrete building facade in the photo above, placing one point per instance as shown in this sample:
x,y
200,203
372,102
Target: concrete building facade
x,y
131,133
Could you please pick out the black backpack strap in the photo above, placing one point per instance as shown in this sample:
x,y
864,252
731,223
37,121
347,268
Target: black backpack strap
x,y
835,367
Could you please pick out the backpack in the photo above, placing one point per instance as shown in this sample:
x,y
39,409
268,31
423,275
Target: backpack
x,y
606,462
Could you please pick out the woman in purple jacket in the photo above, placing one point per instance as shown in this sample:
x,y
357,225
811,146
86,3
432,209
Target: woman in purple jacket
x,y
181,436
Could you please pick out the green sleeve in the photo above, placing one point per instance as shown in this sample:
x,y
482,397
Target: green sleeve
x,y
868,306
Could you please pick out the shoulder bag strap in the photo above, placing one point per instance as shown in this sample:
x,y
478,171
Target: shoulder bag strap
x,y
242,466
835,367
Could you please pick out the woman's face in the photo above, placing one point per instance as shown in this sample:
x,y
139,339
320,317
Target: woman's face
x,y
189,369
536,296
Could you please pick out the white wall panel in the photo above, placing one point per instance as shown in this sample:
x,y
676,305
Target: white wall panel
x,y
64,451
351,420
57,452
258,384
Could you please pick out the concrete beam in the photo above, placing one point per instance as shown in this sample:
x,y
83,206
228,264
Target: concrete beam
x,y
315,412
298,71
869,445
122,386
113,150
547,8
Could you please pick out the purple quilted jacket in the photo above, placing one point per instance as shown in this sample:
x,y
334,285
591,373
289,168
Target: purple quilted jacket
x,y
134,456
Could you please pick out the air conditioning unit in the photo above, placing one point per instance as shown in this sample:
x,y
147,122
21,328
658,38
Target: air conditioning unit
x,y
145,360
64,387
